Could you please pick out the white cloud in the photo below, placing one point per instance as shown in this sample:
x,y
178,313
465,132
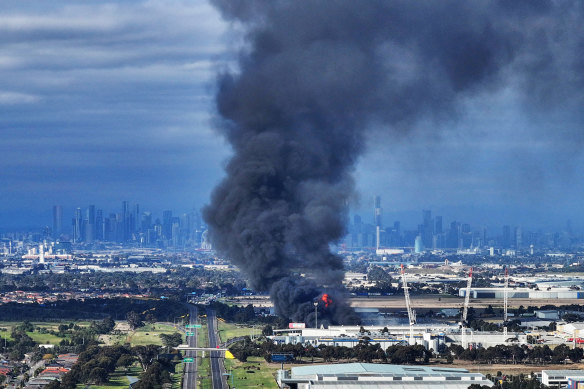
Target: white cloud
x,y
10,98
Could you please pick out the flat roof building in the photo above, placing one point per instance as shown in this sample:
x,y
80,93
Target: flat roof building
x,y
559,378
373,375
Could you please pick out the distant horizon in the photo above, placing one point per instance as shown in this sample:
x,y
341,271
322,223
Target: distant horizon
x,y
409,219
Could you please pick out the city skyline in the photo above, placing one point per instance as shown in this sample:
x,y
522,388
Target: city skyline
x,y
99,104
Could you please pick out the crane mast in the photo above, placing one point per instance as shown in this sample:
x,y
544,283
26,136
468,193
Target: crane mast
x,y
465,309
505,302
467,296
411,312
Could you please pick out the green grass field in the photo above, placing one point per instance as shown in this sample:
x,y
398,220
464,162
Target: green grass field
x,y
149,334
254,373
177,376
204,368
37,336
118,379
45,338
230,330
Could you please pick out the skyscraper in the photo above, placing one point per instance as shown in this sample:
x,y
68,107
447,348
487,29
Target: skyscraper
x,y
57,221
518,238
506,241
125,221
427,228
77,226
136,219
90,224
99,225
438,225
167,224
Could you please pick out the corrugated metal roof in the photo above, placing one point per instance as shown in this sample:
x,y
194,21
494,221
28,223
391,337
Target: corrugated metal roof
x,y
379,368
395,385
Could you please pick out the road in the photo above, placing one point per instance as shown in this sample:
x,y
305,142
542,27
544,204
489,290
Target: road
x,y
217,367
190,372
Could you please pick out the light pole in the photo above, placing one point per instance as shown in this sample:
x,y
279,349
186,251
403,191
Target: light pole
x,y
316,314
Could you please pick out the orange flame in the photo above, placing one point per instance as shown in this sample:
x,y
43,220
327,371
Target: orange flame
x,y
327,300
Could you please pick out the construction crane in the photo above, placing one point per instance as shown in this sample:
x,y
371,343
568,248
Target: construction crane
x,y
463,323
505,292
411,312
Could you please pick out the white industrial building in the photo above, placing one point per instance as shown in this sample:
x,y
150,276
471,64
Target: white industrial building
x,y
430,336
559,378
523,293
571,330
371,375
547,314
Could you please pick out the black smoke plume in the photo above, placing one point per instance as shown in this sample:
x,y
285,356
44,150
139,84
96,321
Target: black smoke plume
x,y
314,76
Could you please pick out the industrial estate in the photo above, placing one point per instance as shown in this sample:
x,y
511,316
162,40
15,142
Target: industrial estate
x,y
441,316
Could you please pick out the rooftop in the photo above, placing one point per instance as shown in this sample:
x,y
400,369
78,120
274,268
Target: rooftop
x,y
376,368
375,375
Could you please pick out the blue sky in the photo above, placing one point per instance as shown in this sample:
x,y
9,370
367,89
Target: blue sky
x,y
108,101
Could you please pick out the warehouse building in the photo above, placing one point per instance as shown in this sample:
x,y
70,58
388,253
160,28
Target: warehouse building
x,y
559,378
571,330
371,375
523,293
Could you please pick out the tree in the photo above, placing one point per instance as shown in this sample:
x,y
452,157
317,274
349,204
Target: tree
x,y
171,340
98,375
571,317
576,354
267,330
125,361
134,320
54,385
145,354
150,318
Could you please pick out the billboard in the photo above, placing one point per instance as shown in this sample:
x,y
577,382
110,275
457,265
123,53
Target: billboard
x,y
296,326
282,357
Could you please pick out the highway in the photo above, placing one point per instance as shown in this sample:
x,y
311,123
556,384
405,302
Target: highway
x,y
217,367
190,371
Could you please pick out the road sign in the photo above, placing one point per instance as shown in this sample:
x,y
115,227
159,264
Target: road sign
x,y
193,326
282,357
188,360
190,334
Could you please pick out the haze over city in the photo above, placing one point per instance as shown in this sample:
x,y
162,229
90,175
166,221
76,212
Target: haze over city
x,y
104,102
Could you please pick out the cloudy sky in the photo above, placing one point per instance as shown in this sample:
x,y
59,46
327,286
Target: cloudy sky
x,y
104,101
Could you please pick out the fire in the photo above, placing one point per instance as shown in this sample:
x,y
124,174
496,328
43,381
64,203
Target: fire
x,y
327,300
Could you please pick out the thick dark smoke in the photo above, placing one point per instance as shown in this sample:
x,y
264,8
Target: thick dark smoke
x,y
315,75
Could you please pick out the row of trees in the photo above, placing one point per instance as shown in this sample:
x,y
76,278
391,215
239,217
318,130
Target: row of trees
x,y
406,354
96,364
176,279
77,338
116,308
362,352
518,354
237,314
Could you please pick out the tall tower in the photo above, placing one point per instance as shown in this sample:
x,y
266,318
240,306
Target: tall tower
x,y
90,224
518,238
99,225
427,228
125,221
167,224
57,221
377,215
77,226
506,241
378,211
41,253
136,218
